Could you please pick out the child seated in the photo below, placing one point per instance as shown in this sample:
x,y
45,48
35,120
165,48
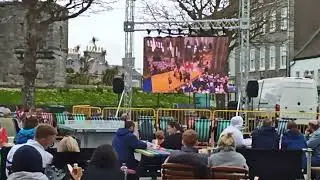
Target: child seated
x,y
159,138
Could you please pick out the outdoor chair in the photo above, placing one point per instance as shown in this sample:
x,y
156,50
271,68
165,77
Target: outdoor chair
x,y
228,172
146,127
79,117
178,171
221,125
112,118
163,123
203,128
282,126
61,118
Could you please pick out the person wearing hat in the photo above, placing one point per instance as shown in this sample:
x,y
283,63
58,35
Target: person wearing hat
x,y
235,128
27,165
312,134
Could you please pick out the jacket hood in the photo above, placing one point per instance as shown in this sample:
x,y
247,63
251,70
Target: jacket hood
x,y
27,131
293,134
237,121
123,132
27,176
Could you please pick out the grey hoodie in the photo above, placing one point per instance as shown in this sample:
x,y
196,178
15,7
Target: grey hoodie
x,y
227,157
27,176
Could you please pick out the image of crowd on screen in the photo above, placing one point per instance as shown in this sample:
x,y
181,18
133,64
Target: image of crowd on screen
x,y
207,83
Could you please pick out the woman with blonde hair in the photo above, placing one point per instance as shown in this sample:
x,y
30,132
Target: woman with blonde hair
x,y
68,144
226,154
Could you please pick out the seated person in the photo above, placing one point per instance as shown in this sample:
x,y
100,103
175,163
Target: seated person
x,y
313,141
125,143
28,130
292,139
68,144
235,128
27,164
159,137
103,163
266,137
189,155
44,137
174,140
64,154
226,154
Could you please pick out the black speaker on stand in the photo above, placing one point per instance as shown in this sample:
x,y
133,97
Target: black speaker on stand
x,y
118,86
252,90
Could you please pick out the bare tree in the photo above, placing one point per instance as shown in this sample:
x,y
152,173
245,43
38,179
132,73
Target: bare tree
x,y
39,14
181,10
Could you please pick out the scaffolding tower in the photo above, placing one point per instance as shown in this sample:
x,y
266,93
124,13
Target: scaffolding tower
x,y
242,23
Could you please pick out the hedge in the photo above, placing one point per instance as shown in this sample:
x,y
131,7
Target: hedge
x,y
98,96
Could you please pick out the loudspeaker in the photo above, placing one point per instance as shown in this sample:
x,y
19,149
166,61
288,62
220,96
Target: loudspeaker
x,y
118,85
252,88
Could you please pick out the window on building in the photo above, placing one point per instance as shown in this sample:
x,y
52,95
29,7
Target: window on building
x,y
273,21
283,56
263,21
252,60
306,73
253,23
262,58
284,18
297,74
272,54
312,74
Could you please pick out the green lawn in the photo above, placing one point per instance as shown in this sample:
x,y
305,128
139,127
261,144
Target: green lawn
x,y
69,97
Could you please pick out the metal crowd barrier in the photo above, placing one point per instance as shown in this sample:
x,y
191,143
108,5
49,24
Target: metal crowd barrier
x,y
185,117
136,113
86,110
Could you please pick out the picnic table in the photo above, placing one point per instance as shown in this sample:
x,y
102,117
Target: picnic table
x,y
151,160
154,152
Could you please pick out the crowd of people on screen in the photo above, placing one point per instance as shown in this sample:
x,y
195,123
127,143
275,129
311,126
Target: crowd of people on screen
x,y
28,158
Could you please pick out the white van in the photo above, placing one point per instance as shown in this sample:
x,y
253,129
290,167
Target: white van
x,y
292,97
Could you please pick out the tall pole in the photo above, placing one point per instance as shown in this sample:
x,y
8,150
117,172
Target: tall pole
x,y
244,47
288,68
128,60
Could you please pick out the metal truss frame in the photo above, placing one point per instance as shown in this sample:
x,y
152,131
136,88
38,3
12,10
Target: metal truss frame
x,y
130,26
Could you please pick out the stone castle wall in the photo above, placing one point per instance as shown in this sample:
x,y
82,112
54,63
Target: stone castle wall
x,y
51,71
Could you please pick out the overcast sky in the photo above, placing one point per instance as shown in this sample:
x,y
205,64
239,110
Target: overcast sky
x,y
107,27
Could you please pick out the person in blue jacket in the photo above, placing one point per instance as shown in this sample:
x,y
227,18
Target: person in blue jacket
x,y
293,139
266,137
28,130
313,141
125,143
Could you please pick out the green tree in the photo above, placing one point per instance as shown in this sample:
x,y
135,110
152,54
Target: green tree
x,y
108,76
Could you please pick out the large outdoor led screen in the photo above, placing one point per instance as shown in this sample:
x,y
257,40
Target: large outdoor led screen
x,y
185,64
